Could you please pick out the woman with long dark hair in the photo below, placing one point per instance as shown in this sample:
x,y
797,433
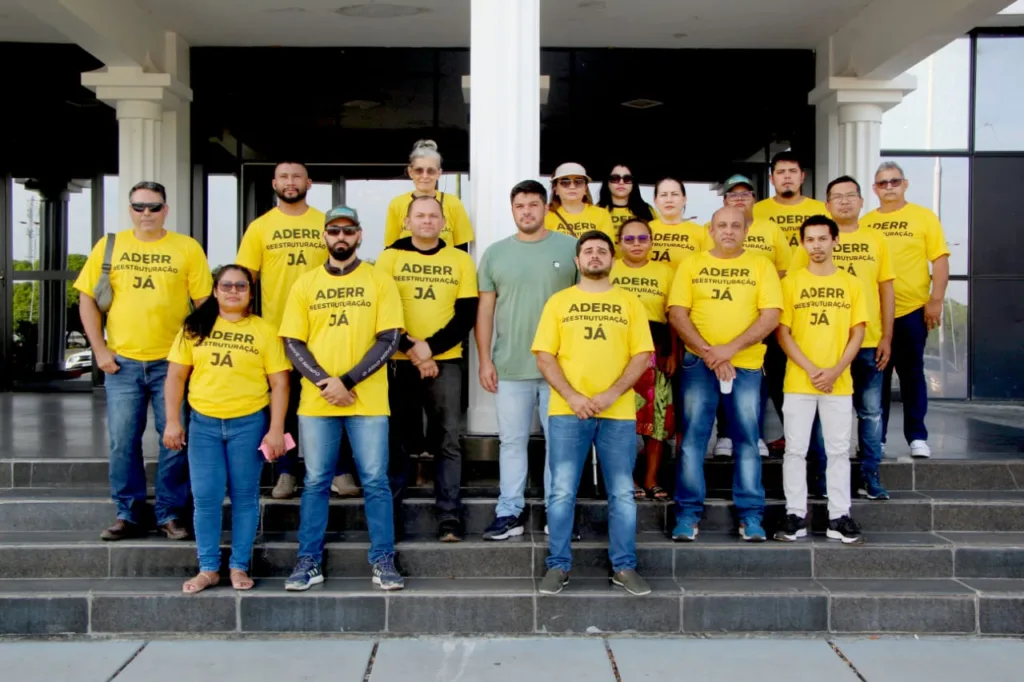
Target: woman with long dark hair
x,y
651,282
232,357
620,196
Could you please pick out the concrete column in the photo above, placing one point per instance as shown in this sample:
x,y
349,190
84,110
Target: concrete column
x,y
140,143
53,252
860,127
504,137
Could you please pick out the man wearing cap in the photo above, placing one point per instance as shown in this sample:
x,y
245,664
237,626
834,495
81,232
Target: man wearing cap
x,y
439,301
278,247
341,324
572,210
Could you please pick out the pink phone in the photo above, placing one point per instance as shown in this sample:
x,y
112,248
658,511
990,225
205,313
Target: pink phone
x,y
289,444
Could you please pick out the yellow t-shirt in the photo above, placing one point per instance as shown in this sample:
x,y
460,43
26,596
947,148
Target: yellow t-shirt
x,y
575,224
651,283
457,228
725,296
915,238
789,218
152,283
594,336
339,317
429,286
282,248
672,243
864,254
620,214
820,312
230,366
765,238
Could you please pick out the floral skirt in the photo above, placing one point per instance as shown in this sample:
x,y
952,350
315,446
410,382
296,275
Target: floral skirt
x,y
655,416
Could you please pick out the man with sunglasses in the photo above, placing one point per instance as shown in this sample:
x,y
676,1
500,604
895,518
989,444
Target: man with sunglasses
x,y
915,238
155,275
341,324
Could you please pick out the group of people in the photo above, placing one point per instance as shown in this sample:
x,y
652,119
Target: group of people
x,y
644,324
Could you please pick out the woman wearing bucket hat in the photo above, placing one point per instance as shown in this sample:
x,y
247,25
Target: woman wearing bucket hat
x,y
572,210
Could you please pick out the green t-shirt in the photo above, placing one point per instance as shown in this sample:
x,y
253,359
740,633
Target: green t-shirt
x,y
524,275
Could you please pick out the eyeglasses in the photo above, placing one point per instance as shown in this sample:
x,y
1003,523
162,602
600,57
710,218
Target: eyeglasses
x,y
348,230
891,183
840,198
740,195
226,286
636,238
430,172
572,182
154,207
615,178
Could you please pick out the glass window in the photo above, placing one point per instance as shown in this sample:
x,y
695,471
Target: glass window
x,y
945,353
221,219
25,211
942,184
999,94
79,227
935,115
114,215
371,198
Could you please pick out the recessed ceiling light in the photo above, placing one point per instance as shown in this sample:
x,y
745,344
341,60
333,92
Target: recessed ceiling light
x,y
679,35
380,11
642,103
593,4
363,104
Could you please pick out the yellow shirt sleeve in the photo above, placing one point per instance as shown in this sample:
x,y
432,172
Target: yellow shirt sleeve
x,y
769,293
934,239
275,359
386,262
783,254
786,317
799,260
250,251
295,321
681,293
462,228
389,304
859,312
547,339
640,340
200,281
604,224
93,268
393,224
181,350
467,282
885,271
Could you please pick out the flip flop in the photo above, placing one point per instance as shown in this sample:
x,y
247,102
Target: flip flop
x,y
240,580
657,493
200,582
638,492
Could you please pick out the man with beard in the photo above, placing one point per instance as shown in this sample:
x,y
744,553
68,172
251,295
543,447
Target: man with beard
x,y
340,326
278,247
593,342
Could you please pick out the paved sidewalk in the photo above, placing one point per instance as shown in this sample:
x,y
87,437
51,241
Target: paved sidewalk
x,y
551,659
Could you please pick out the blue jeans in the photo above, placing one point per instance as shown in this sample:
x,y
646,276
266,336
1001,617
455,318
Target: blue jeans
x,y
571,438
130,391
700,398
514,403
867,403
909,335
321,437
289,463
223,454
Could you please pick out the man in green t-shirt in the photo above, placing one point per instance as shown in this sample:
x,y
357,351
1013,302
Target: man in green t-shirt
x,y
517,275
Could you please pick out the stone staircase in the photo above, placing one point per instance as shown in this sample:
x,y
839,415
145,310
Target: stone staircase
x,y
945,555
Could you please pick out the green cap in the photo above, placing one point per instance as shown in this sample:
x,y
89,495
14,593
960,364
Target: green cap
x,y
736,180
341,212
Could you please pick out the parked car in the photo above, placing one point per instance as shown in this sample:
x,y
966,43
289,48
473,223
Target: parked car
x,y
80,360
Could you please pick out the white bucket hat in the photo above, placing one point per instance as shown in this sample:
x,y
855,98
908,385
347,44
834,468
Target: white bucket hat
x,y
570,169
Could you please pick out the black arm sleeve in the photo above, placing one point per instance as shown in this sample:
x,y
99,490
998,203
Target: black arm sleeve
x,y
303,360
384,348
453,333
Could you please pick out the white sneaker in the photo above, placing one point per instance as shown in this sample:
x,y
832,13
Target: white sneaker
x,y
762,447
919,448
723,448
710,451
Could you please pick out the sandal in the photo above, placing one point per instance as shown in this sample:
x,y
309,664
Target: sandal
x,y
240,580
657,493
638,492
199,583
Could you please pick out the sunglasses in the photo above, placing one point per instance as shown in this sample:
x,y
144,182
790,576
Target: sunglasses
x,y
226,286
615,178
154,207
347,230
893,183
637,238
740,195
431,172
572,182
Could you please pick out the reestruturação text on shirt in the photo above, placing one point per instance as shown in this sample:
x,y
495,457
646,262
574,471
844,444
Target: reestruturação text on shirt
x,y
298,239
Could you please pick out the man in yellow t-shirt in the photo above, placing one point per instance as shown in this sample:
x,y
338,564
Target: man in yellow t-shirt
x,y
821,330
437,285
722,304
155,276
789,208
341,324
915,238
592,344
277,248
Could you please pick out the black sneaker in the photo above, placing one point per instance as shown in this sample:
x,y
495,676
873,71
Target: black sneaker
x,y
504,527
873,488
845,530
449,530
553,581
792,528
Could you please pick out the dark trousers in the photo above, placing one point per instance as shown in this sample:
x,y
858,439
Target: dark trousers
x,y
774,375
440,398
909,335
288,463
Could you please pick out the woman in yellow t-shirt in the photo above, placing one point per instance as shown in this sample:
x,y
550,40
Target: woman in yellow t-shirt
x,y
620,196
651,282
572,209
425,170
231,356
675,238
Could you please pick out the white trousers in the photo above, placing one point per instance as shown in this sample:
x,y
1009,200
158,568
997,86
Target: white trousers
x,y
835,412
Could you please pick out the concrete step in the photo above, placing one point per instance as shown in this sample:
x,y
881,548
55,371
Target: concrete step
x,y
90,509
134,607
78,554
